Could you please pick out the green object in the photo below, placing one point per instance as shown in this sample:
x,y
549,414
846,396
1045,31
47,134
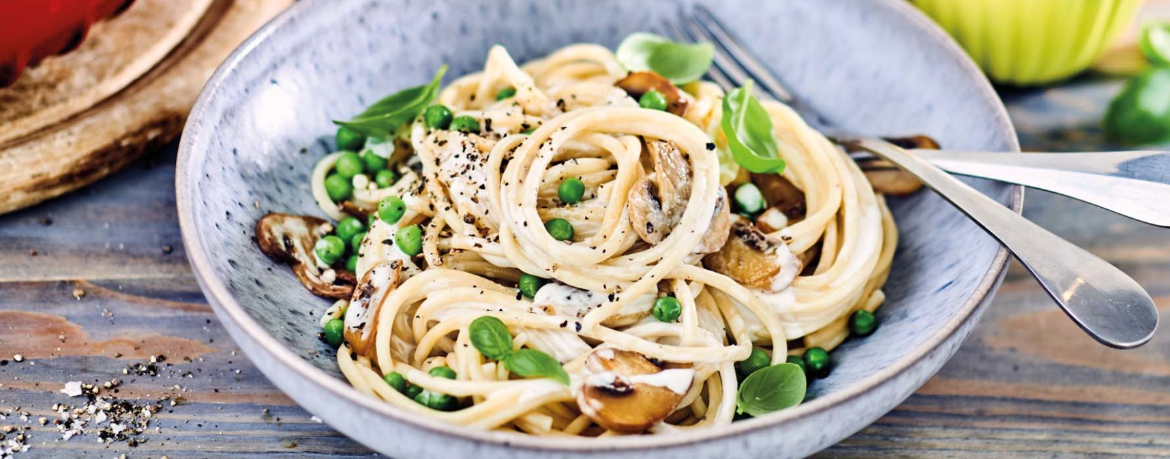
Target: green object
x,y
796,360
748,130
412,391
756,361
385,178
442,372
409,240
349,164
667,309
1033,42
531,363
571,190
348,227
559,228
391,209
1140,114
678,62
506,93
386,116
490,337
771,389
438,116
749,199
436,401
396,380
862,322
355,242
334,332
329,249
529,284
349,139
351,263
338,188
529,131
372,162
465,124
653,100
817,362
1155,43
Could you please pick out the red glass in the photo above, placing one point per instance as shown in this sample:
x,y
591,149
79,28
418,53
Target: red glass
x,y
31,30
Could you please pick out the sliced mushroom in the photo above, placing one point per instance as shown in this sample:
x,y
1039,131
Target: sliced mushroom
x,y
625,392
914,141
755,259
637,83
290,239
781,194
720,227
656,203
892,182
351,208
565,300
361,317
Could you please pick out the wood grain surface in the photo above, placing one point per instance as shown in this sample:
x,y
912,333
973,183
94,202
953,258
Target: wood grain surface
x,y
1026,383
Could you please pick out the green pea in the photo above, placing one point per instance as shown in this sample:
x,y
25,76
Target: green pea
x,y
348,227
409,240
465,124
334,332
862,322
413,391
758,360
653,100
372,162
442,372
529,284
391,209
667,309
349,164
436,401
817,362
329,249
396,380
506,93
338,188
385,178
1139,113
749,199
560,229
356,241
349,139
571,190
796,360
351,263
438,117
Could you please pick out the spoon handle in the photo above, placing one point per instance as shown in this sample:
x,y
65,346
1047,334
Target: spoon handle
x,y
1135,184
1105,302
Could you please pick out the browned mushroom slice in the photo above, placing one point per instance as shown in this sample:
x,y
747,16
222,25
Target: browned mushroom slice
x,y
628,393
361,316
754,259
720,227
914,141
656,203
638,83
349,207
290,239
781,194
893,182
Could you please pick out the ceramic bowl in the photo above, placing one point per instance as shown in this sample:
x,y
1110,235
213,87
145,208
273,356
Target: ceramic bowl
x,y
875,66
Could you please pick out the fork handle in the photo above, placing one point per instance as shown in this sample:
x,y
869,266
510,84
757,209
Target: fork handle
x,y
1105,302
1132,183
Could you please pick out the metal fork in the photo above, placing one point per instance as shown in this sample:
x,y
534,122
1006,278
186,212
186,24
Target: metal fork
x,y
1105,302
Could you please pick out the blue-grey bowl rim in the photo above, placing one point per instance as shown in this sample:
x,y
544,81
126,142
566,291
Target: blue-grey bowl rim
x,y
227,309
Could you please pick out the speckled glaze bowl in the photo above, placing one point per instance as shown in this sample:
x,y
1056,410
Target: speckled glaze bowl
x,y
875,66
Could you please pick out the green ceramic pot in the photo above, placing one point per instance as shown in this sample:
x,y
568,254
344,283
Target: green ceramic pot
x,y
1031,42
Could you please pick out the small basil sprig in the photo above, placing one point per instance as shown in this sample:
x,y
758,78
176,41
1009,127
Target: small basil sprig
x,y
490,337
748,129
771,389
680,63
386,116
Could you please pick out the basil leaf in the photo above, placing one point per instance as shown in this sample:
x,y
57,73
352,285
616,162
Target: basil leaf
x,y
748,130
389,114
1140,113
490,337
771,389
531,363
1155,43
680,63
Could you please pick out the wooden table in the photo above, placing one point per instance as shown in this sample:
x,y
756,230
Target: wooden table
x,y
98,281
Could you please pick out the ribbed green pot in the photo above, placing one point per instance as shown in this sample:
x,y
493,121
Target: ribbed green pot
x,y
1031,42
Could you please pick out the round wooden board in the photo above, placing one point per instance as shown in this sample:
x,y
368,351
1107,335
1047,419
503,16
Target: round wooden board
x,y
86,130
